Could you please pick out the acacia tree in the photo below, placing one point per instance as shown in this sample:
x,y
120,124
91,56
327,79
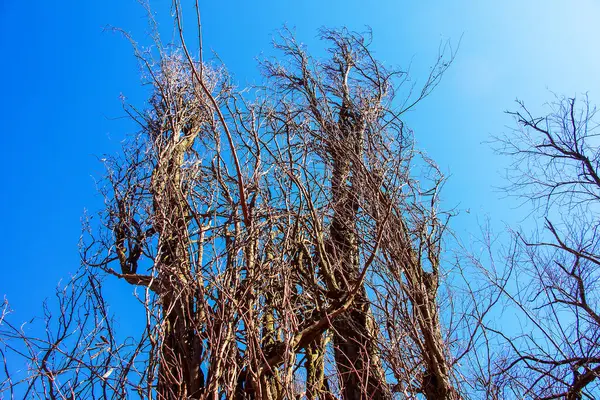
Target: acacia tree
x,y
283,247
556,272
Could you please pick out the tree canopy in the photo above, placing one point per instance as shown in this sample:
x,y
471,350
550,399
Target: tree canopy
x,y
287,241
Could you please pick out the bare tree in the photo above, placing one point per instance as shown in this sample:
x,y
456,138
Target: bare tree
x,y
556,272
283,245
76,353
381,233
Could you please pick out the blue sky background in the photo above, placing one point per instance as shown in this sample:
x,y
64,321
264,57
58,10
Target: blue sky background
x,y
62,76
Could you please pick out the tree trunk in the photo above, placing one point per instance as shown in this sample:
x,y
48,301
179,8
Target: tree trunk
x,y
180,374
355,344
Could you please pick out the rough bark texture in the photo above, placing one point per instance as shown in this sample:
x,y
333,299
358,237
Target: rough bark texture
x,y
355,344
180,374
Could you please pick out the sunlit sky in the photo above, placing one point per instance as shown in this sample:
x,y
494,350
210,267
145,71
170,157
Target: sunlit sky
x,y
62,74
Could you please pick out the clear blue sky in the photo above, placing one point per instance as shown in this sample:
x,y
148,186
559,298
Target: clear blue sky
x,y
62,77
